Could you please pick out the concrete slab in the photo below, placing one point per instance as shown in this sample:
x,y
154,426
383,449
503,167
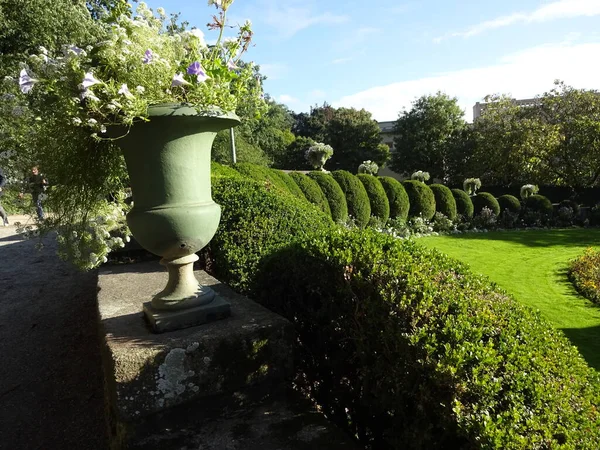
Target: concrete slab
x,y
147,373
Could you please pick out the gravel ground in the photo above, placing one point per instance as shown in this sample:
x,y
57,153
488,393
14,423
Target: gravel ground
x,y
51,394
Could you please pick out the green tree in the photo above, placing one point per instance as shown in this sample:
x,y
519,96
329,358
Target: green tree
x,y
423,134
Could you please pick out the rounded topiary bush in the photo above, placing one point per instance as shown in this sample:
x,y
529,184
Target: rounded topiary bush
x,y
443,359
397,198
420,198
571,204
510,203
485,200
289,182
357,198
539,204
312,192
444,200
334,194
380,206
464,204
255,221
221,170
261,173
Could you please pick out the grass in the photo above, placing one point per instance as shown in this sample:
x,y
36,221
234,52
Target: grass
x,y
532,266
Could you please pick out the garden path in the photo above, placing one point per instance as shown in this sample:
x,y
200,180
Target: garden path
x,y
51,393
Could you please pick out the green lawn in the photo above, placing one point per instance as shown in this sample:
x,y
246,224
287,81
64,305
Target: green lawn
x,y
532,266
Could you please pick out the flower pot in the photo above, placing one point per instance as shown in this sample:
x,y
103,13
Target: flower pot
x,y
174,216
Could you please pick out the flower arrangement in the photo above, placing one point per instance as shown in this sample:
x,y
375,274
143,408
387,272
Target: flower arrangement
x,y
74,98
318,154
471,185
369,167
420,176
527,190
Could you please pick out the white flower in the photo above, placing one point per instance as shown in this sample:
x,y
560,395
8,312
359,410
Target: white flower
x,y
93,258
198,34
89,80
92,122
140,89
178,80
161,11
89,95
76,121
43,50
26,82
102,129
125,91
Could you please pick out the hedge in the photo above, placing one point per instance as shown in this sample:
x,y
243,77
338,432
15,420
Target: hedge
x,y
444,200
261,173
357,198
255,221
221,170
397,198
312,192
421,199
510,203
380,206
334,194
485,200
584,273
464,204
538,203
406,349
571,204
290,183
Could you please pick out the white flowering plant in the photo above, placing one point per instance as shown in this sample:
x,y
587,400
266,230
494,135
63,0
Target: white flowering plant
x,y
527,190
69,100
471,185
420,175
318,154
369,167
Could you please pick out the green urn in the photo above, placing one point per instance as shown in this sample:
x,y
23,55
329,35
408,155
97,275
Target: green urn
x,y
173,215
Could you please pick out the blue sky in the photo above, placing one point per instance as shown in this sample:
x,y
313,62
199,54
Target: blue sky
x,y
381,55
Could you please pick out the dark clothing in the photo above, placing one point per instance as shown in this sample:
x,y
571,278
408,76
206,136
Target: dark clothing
x,y
36,185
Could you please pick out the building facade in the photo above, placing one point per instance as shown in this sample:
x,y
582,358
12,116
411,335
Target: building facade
x,y
479,107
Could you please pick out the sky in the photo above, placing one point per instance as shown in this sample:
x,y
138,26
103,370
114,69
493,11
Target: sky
x,y
382,55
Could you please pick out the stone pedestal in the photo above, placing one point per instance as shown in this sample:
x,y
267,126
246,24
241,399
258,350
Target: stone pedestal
x,y
148,373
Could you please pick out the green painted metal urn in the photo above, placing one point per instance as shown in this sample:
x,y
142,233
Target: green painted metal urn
x,y
173,215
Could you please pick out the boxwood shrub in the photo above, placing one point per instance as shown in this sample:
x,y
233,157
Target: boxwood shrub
x,y
539,204
380,206
397,197
406,349
485,200
290,183
255,221
261,173
464,204
357,199
509,203
334,194
221,170
571,204
444,200
312,192
420,198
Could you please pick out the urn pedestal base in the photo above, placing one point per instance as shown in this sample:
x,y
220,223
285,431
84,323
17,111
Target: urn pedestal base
x,y
163,320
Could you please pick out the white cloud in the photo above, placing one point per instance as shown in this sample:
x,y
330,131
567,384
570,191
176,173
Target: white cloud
x,y
560,9
523,75
287,99
288,17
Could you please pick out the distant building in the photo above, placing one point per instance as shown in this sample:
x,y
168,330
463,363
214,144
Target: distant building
x,y
387,133
479,107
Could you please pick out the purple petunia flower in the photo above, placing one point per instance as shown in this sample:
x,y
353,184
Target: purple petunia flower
x,y
89,80
231,65
76,50
178,80
26,82
196,69
148,57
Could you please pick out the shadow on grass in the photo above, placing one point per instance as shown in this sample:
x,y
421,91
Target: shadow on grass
x,y
587,340
564,237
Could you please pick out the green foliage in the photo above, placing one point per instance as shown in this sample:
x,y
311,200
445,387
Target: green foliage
x,y
422,136
571,204
289,182
357,198
405,348
380,205
312,191
584,273
220,170
509,203
464,204
255,222
539,204
444,201
245,152
397,198
262,174
485,200
334,194
420,198
295,154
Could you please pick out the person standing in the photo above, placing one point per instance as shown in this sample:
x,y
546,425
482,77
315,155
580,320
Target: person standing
x,y
3,214
36,184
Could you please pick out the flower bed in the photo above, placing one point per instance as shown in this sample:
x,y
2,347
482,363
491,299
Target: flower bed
x,y
584,273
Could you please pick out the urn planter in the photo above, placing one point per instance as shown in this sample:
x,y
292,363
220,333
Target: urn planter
x,y
173,215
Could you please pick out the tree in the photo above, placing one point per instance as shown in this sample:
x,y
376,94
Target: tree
x,y
423,133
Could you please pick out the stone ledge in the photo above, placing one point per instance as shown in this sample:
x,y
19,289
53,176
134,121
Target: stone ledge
x,y
147,373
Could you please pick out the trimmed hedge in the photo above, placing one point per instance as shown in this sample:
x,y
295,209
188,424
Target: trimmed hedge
x,y
312,192
444,200
261,173
538,203
584,273
485,200
255,222
397,197
334,195
510,203
357,198
290,183
380,206
221,170
421,199
464,204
